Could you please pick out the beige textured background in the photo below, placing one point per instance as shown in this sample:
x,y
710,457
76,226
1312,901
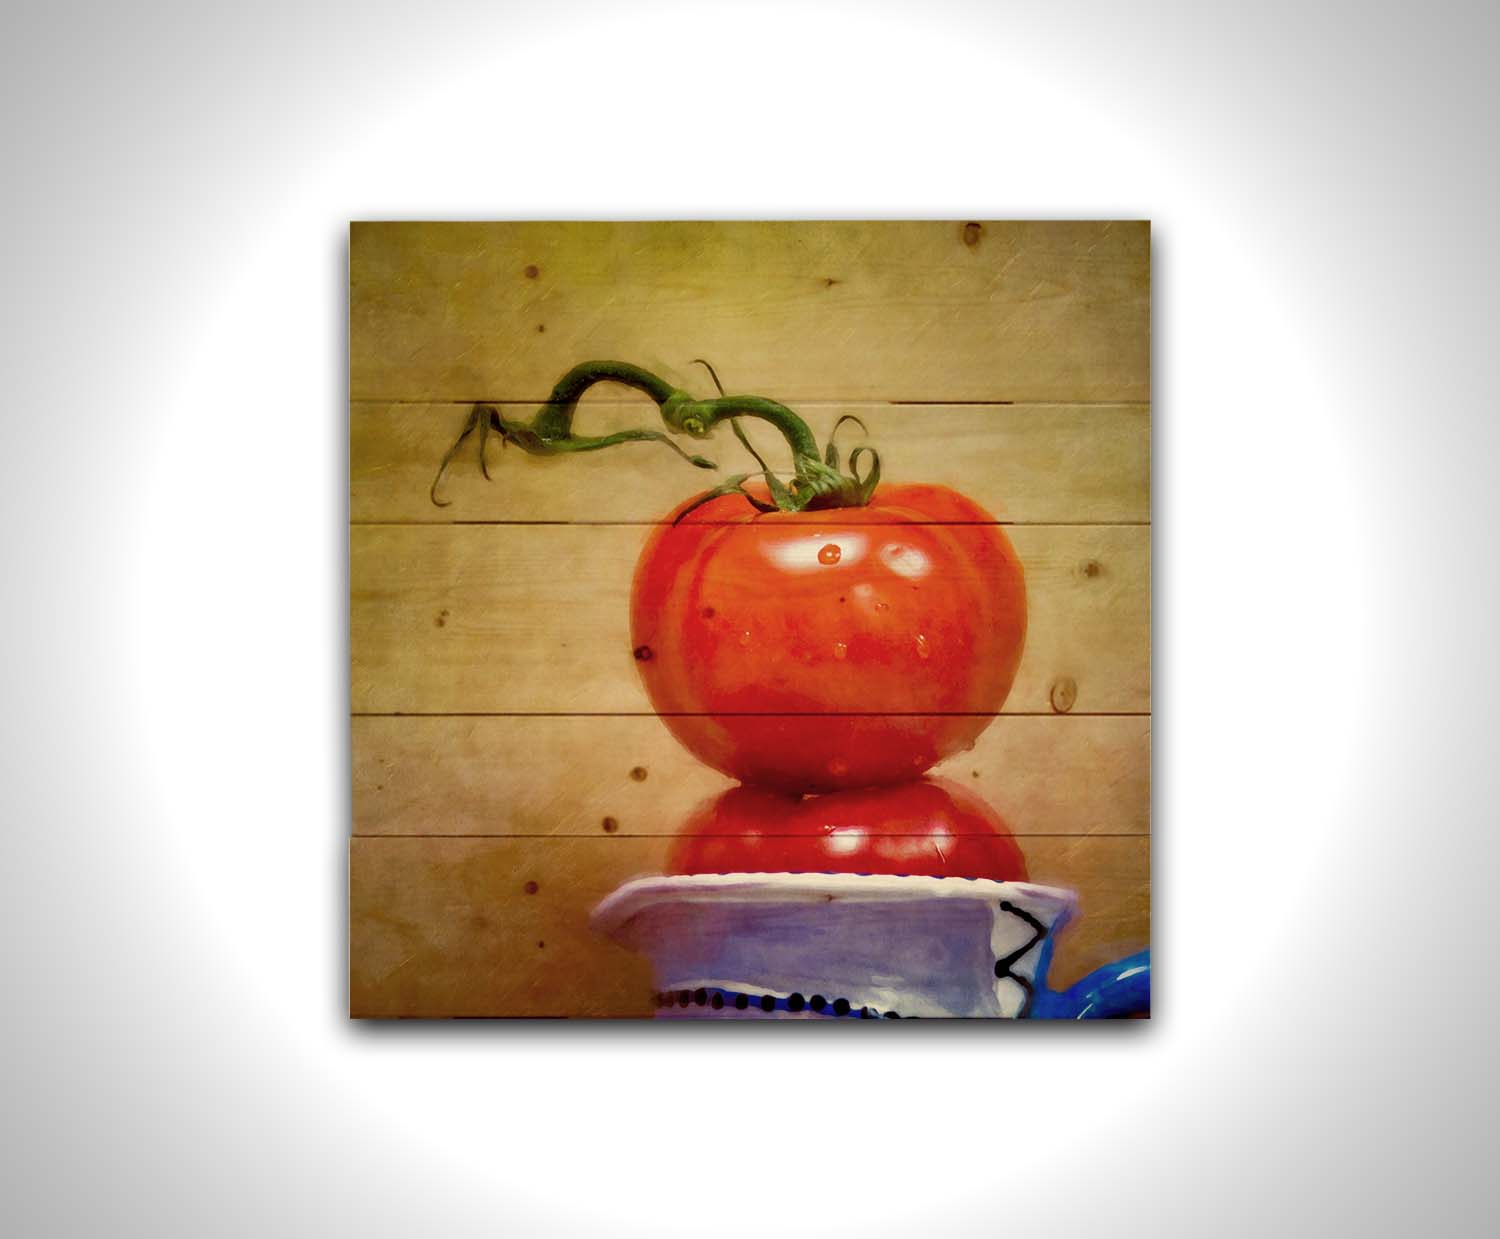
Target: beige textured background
x,y
1009,360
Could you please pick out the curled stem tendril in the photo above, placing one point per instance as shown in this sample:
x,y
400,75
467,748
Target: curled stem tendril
x,y
816,479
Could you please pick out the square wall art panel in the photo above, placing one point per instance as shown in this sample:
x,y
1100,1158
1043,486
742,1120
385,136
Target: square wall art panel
x,y
750,620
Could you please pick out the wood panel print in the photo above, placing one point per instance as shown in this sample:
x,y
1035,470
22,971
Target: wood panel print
x,y
750,620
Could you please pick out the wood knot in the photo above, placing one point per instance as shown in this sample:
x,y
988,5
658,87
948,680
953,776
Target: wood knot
x,y
531,888
1090,568
610,825
638,773
1064,694
440,620
971,232
532,272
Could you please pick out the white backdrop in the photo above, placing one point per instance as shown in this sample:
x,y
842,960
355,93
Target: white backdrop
x,y
1323,188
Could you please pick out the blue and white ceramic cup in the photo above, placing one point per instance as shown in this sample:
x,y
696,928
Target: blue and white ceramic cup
x,y
829,945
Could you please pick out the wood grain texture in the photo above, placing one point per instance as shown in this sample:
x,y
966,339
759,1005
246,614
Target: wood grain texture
x,y
503,619
478,927
1026,463
1064,775
1055,311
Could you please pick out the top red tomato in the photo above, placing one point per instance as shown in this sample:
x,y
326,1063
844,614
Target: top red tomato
x,y
814,651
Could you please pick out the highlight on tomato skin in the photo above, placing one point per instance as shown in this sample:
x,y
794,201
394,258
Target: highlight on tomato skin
x,y
929,828
819,651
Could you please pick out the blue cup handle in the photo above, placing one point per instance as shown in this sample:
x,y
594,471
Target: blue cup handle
x,y
1120,988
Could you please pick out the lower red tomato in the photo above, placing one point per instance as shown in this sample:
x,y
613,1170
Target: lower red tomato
x,y
933,828
822,650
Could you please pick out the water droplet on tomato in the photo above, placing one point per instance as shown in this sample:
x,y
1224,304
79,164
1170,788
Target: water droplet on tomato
x,y
830,554
882,606
838,767
840,649
923,649
745,637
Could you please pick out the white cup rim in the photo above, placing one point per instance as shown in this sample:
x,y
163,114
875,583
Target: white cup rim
x,y
1053,905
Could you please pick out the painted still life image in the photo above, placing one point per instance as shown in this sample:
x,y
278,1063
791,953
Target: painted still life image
x,y
750,620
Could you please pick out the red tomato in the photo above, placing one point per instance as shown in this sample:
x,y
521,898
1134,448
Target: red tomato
x,y
813,651
932,828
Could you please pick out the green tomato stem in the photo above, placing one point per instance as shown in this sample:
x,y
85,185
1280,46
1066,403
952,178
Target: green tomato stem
x,y
816,482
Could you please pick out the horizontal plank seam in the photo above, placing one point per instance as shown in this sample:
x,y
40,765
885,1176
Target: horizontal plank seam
x,y
597,837
363,524
831,401
747,714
